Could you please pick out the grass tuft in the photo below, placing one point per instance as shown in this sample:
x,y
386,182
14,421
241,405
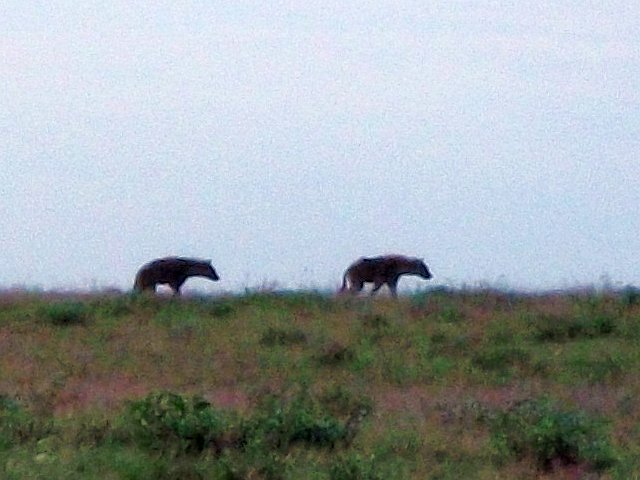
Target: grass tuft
x,y
279,336
66,313
556,328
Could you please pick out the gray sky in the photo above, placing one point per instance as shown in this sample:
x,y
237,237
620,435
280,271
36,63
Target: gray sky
x,y
498,140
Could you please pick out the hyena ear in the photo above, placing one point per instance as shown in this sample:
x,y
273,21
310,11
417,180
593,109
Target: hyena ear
x,y
208,260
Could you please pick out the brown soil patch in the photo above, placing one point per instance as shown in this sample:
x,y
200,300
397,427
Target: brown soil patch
x,y
106,393
415,399
228,398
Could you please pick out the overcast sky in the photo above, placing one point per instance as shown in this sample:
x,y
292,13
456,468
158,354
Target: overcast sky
x,y
498,140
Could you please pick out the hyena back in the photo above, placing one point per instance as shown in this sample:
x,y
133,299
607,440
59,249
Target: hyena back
x,y
382,270
173,271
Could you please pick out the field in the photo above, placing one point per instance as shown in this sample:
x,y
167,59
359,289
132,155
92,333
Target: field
x,y
439,384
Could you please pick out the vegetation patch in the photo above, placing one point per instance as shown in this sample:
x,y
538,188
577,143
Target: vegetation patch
x,y
556,328
279,336
500,358
281,423
335,353
113,306
66,313
286,383
341,401
175,424
594,366
450,314
553,436
356,467
630,296
178,426
375,321
17,425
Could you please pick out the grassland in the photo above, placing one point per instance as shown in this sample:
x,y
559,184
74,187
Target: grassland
x,y
440,384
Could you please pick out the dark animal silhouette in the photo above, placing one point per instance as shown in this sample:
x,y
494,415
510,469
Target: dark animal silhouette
x,y
173,271
380,270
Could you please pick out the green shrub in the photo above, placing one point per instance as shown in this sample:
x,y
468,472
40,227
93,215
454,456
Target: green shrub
x,y
539,429
558,329
220,309
375,321
377,327
312,300
252,463
450,341
499,357
91,430
113,306
355,467
341,401
17,425
286,300
334,353
364,355
175,424
280,424
66,313
432,296
630,296
450,314
278,336
593,366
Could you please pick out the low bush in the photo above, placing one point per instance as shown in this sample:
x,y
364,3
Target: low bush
x,y
279,336
341,401
558,329
594,366
66,313
450,314
499,357
113,306
17,425
377,327
252,463
375,321
355,467
279,424
310,300
175,424
630,296
334,353
220,309
540,429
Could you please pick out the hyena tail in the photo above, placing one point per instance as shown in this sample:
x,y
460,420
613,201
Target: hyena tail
x,y
138,285
343,288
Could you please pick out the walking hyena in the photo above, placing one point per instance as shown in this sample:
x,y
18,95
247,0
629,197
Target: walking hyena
x,y
380,270
173,271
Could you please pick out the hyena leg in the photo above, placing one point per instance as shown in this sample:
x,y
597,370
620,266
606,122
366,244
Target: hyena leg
x,y
393,287
355,287
376,287
149,287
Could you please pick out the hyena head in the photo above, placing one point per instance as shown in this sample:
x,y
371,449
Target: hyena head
x,y
422,269
204,269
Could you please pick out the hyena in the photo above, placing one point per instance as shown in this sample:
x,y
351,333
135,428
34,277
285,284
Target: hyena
x,y
173,271
380,270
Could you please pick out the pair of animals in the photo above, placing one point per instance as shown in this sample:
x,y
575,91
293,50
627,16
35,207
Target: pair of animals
x,y
174,271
